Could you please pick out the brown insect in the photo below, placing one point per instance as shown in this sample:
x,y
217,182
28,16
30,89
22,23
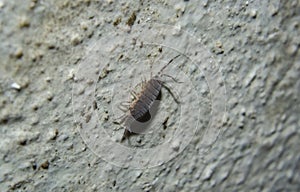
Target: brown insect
x,y
143,101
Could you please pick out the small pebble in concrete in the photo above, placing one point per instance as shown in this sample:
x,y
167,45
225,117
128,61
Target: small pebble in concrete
x,y
15,86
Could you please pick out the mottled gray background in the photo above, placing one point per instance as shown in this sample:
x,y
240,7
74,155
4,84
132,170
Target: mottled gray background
x,y
255,44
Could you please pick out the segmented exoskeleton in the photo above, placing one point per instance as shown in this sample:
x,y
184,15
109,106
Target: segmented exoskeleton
x,y
144,100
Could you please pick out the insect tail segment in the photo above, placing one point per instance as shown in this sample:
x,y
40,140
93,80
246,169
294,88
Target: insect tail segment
x,y
126,135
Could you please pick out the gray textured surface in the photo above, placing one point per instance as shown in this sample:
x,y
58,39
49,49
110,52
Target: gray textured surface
x,y
255,43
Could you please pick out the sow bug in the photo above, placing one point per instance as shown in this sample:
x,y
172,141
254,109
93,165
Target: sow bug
x,y
143,101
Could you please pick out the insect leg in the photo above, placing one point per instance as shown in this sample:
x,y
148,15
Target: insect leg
x,y
174,79
134,95
125,104
121,121
123,108
144,82
171,93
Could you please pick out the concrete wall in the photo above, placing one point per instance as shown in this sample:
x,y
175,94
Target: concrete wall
x,y
66,66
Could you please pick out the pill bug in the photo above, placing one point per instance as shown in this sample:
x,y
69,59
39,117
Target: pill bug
x,y
143,101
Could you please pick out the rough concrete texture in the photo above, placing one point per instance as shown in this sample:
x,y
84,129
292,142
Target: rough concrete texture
x,y
66,64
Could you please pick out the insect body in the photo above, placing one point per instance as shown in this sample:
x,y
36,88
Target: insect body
x,y
144,100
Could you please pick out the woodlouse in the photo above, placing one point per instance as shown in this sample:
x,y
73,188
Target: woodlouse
x,y
143,101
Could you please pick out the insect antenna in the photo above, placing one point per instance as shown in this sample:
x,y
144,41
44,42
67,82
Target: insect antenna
x,y
167,65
